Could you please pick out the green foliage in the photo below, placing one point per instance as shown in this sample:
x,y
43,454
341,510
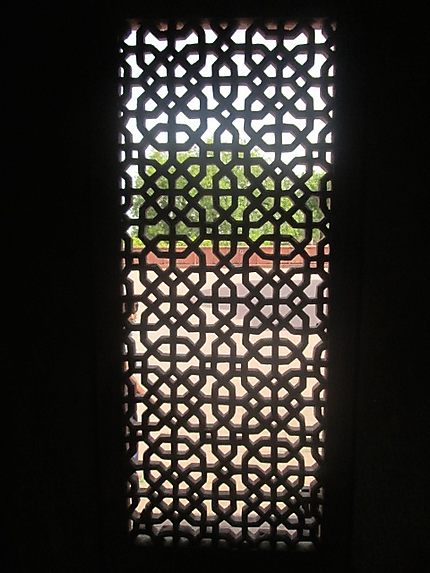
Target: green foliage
x,y
189,202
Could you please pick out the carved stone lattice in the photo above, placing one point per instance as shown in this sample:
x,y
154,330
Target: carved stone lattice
x,y
225,156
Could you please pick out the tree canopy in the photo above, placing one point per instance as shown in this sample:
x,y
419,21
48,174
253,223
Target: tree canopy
x,y
232,196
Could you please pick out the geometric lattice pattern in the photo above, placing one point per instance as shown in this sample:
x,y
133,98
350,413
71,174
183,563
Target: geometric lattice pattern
x,y
225,151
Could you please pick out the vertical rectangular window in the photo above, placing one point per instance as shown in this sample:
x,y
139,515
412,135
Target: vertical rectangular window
x,y
226,170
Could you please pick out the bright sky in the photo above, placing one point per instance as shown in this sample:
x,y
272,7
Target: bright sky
x,y
243,91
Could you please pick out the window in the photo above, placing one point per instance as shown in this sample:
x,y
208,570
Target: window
x,y
226,178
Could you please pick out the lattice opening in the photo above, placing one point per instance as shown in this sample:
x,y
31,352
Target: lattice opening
x,y
226,160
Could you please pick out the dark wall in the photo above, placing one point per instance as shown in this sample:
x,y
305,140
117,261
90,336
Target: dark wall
x,y
391,527
62,201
